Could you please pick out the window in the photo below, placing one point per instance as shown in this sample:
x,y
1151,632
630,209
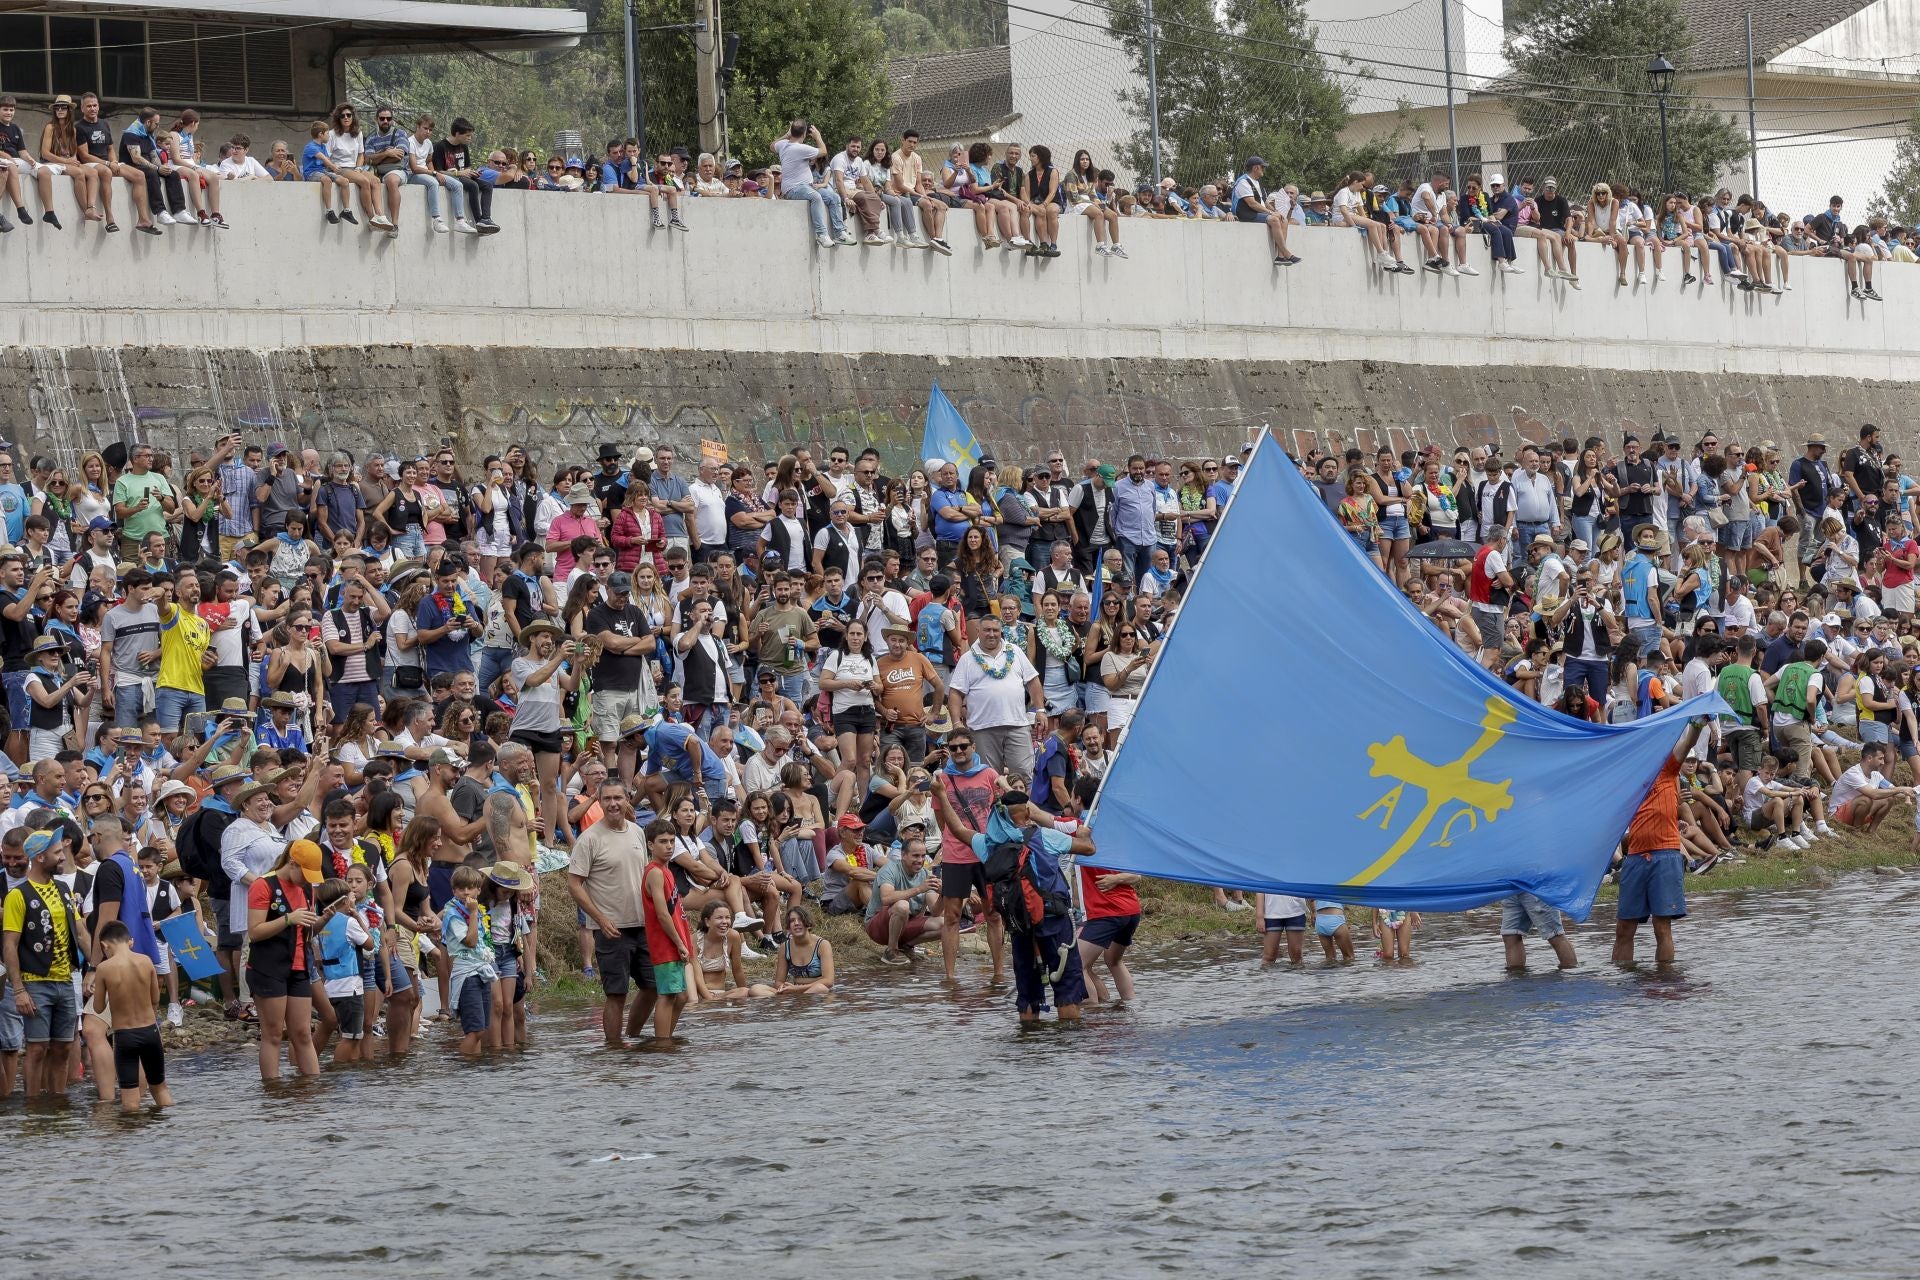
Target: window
x,y
128,61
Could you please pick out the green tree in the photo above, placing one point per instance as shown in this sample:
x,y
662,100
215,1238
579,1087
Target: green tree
x,y
935,26
1234,82
823,60
1899,198
1577,84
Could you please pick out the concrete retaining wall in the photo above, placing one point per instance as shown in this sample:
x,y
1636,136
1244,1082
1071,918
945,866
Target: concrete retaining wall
x,y
577,323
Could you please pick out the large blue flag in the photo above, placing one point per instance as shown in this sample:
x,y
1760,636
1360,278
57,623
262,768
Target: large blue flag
x,y
181,933
948,436
1307,731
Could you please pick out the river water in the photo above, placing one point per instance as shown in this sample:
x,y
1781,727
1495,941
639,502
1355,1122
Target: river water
x,y
1753,1109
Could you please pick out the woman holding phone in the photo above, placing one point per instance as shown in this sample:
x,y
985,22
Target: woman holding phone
x,y
550,670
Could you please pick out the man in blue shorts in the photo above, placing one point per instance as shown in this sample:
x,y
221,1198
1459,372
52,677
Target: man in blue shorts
x,y
1652,879
1523,914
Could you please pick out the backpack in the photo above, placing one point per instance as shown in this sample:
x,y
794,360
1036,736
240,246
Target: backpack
x,y
199,858
1025,885
932,636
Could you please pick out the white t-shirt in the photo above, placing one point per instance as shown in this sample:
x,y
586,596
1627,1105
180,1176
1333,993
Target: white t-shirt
x,y
850,666
709,513
1738,613
796,163
1281,906
1348,208
852,167
247,167
1851,784
420,153
991,703
1752,798
345,149
229,646
876,619
1427,201
1553,579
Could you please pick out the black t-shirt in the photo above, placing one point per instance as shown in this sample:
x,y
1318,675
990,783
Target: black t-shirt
x,y
1864,466
522,597
109,885
1626,473
16,638
12,141
469,800
610,491
448,156
618,671
138,144
96,139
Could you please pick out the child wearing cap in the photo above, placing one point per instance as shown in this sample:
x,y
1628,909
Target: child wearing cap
x,y
339,943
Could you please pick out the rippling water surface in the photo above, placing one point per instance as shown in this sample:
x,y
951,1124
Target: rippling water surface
x,y
1753,1110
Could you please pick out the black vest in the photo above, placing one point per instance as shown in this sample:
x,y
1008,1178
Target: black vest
x,y
37,935
842,553
367,630
274,956
702,679
1085,517
39,717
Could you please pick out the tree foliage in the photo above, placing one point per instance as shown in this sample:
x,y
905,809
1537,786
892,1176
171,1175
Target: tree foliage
x,y
1577,84
1237,80
823,60
935,26
1899,198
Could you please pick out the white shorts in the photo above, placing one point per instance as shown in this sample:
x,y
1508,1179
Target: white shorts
x,y
1897,599
164,965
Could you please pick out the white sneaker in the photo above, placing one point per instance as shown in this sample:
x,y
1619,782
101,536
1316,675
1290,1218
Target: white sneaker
x,y
381,221
825,242
886,237
1515,269
742,921
1451,270
1100,247
1018,242
1823,828
1118,251
1385,260
873,239
440,225
845,237
1659,277
1467,269
164,218
1232,905
748,953
1639,278
1788,842
918,242
175,1015
465,228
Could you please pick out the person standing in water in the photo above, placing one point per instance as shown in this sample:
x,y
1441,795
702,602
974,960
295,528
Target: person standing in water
x,y
125,989
1653,877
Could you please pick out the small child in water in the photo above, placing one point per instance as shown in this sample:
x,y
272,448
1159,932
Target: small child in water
x,y
1282,916
126,988
1395,929
1330,922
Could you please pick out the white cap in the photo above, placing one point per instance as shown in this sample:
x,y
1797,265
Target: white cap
x,y
1497,180
932,465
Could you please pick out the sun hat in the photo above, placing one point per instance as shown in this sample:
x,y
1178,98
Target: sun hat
x,y
643,454
540,626
169,789
511,876
579,496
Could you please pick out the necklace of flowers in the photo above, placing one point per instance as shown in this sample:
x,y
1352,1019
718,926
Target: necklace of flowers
x,y
1006,663
1056,639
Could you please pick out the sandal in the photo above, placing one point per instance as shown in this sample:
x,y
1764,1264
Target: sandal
x,y
113,226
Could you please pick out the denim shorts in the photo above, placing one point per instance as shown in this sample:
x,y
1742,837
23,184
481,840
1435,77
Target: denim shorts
x,y
172,706
1523,914
1875,731
56,1010
475,1003
1736,535
1361,541
19,706
1653,885
1395,528
13,1028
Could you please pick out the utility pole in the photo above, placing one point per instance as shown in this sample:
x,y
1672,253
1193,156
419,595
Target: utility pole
x,y
633,83
1153,94
1446,54
1753,132
706,73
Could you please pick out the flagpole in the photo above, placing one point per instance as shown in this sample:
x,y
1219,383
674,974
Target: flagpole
x,y
1260,446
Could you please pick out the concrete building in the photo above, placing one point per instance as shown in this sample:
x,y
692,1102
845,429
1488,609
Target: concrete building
x,y
259,66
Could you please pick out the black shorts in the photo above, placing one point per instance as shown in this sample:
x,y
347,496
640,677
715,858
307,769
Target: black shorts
x,y
269,986
622,960
541,744
137,1050
225,939
351,1011
1110,931
853,720
960,879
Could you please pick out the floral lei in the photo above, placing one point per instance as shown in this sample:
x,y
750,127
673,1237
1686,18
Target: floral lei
x,y
1056,639
993,673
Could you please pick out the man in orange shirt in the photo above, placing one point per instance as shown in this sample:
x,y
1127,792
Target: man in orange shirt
x,y
1653,877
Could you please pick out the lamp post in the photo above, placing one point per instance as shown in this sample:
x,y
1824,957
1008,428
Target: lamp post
x,y
1660,80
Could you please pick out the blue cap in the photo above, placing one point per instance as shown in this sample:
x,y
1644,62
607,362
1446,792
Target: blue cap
x,y
1255,160
99,522
41,841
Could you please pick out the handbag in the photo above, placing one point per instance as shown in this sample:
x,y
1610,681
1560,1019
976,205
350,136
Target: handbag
x,y
409,677
1717,517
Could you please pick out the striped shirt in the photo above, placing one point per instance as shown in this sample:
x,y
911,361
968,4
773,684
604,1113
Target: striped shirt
x,y
237,484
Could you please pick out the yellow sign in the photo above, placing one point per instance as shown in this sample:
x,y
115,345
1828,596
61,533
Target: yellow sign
x,y
1443,784
713,451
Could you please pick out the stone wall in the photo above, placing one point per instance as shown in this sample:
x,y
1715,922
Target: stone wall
x,y
577,325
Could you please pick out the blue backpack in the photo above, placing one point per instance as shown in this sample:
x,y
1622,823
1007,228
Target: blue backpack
x,y
1026,885
932,636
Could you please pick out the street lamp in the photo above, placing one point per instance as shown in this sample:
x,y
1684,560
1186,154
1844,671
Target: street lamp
x,y
1660,80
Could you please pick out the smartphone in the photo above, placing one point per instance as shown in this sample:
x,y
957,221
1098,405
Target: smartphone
x,y
446,442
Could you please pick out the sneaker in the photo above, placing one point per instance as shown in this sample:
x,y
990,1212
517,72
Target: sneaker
x,y
1383,260
1747,286
845,237
1793,842
1870,295
1515,269
465,228
588,973
1100,247
1706,281
1467,269
1737,274
1236,905
918,241
748,953
1659,277
346,215
1823,829
1434,265
1572,279
440,226
1783,287
893,958
942,247
990,242
655,224
742,921
175,1015
1053,250
1119,251
674,223
1019,242
333,219
205,221
1854,290
1639,278
1293,259
164,218
872,239
1279,259
20,213
968,924
487,227
50,219
392,230
1401,269
887,237
1621,282
825,242
379,1031
1450,270
1688,279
